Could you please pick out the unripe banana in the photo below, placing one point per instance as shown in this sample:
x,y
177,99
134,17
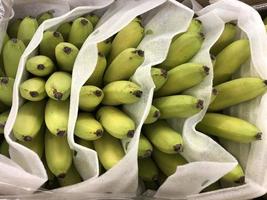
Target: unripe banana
x,y
153,115
163,137
168,162
144,148
58,154
228,61
178,106
235,176
129,37
237,91
159,77
49,42
182,78
3,107
27,28
2,71
183,49
147,170
116,122
52,182
231,128
85,143
29,120
12,52
124,65
80,30
3,119
6,90
93,18
13,28
109,150
72,177
44,16
90,97
4,148
33,89
213,95
104,47
64,29
40,65
121,92
66,54
226,38
6,39
97,76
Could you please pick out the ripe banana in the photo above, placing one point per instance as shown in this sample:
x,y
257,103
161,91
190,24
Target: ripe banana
x,y
27,28
235,176
178,106
144,148
159,77
93,18
147,170
64,29
116,122
163,137
182,78
57,116
228,61
29,120
90,97
6,90
153,115
44,16
4,148
72,177
40,65
109,150
237,91
121,92
13,28
104,47
3,119
227,127
85,143
58,86
33,89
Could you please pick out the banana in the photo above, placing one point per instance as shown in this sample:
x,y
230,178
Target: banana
x,y
265,20
163,137
90,97
109,150
4,148
3,119
153,115
178,106
97,76
40,65
64,29
44,16
5,40
57,116
183,49
226,38
121,92
12,52
159,77
72,177
66,54
129,37
33,89
213,95
167,163
58,86
13,28
104,47
85,143
58,154
93,18
52,182
231,128
6,90
124,65
183,77
29,120
144,148
116,122
228,61
147,170
235,176
80,30
27,28
237,91
49,42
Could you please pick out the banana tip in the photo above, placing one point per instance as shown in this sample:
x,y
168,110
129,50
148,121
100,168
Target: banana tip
x,y
147,153
27,138
56,34
98,93
40,67
138,93
84,22
34,94
200,104
140,53
130,134
164,72
14,40
57,95
61,133
61,175
202,35
214,91
259,136
4,80
241,180
212,57
200,22
100,54
156,114
206,70
67,50
265,82
99,133
178,148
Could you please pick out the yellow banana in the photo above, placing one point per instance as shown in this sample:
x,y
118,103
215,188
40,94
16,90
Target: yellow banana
x,y
44,16
27,28
90,97
72,177
4,148
147,170
153,115
85,143
104,47
159,77
3,119
13,28
144,148
64,29
40,66
93,18
235,176
33,89
6,90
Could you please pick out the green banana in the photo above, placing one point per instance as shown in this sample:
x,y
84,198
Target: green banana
x,y
33,89
213,95
3,107
2,70
64,29
44,16
12,52
13,28
90,97
121,92
40,65
27,28
182,78
58,154
159,77
231,128
58,86
49,42
235,176
80,30
3,119
57,116
104,47
52,182
72,177
97,76
29,120
228,61
237,91
129,37
124,65
178,106
163,137
144,148
66,54
167,163
85,143
109,150
4,148
147,170
226,38
116,122
6,39
93,18
6,90
153,115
